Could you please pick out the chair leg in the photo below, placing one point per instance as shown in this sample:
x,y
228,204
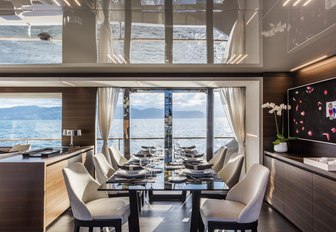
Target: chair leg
x,y
201,225
90,229
76,226
118,227
211,227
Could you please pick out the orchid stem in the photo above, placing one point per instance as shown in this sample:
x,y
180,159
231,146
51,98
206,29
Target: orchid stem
x,y
276,123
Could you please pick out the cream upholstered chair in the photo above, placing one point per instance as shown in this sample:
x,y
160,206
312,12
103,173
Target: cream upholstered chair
x,y
230,174
20,148
241,209
103,169
217,160
90,207
116,157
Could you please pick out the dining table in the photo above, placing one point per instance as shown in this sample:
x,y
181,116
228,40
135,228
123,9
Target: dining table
x,y
165,176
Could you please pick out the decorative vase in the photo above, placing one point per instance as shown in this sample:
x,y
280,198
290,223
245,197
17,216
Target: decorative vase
x,y
281,147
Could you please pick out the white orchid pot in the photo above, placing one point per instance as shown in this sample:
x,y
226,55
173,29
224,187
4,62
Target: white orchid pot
x,y
281,147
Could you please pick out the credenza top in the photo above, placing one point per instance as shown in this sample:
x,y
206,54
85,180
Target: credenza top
x,y
48,161
297,160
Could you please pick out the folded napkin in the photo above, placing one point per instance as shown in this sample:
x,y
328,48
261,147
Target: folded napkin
x,y
193,154
197,167
143,154
130,167
147,147
188,148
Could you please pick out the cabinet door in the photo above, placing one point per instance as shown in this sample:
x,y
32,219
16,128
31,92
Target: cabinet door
x,y
275,187
298,197
324,204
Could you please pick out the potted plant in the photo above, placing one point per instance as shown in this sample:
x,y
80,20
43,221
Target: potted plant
x,y
280,144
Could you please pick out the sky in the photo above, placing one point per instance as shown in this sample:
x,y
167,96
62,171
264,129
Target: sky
x,y
181,101
10,102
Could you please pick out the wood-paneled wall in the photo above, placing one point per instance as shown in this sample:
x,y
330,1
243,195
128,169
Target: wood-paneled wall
x,y
275,86
78,110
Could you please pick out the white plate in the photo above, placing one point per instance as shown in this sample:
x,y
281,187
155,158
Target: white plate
x,y
192,159
204,172
131,174
177,179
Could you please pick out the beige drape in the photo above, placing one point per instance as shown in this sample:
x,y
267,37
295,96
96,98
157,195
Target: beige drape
x,y
107,104
105,48
236,41
234,103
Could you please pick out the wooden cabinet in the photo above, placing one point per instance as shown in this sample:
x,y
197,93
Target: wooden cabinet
x,y
275,187
33,192
306,196
298,195
324,204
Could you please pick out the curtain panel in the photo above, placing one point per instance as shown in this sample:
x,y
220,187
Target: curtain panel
x,y
107,104
234,103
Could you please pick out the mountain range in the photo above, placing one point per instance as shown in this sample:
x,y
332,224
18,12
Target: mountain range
x,y
55,113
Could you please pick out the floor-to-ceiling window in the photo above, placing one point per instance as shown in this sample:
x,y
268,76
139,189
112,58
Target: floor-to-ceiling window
x,y
147,119
31,118
189,118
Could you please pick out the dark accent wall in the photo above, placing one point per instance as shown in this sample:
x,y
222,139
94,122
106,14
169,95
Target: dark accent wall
x,y
275,87
321,71
78,110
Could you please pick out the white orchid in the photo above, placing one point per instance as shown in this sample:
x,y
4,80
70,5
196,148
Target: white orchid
x,y
277,111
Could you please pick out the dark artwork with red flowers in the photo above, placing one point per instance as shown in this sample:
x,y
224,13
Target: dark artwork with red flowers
x,y
313,113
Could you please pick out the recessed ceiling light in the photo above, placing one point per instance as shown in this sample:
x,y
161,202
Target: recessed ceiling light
x,y
308,63
306,3
297,2
285,3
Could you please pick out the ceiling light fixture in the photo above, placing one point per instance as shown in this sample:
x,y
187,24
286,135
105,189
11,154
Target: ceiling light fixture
x,y
242,59
77,3
122,58
232,57
285,3
248,21
116,57
306,3
210,84
234,61
56,2
308,63
297,2
67,2
111,58
139,83
68,83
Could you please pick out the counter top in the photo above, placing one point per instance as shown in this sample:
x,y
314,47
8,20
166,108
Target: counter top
x,y
48,161
297,160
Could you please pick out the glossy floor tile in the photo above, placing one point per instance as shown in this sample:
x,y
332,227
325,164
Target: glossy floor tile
x,y
163,216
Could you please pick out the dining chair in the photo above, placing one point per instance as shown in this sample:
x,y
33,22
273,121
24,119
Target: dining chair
x,y
90,207
241,208
20,148
230,174
217,160
116,157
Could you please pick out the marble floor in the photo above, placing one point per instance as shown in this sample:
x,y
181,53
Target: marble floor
x,y
163,216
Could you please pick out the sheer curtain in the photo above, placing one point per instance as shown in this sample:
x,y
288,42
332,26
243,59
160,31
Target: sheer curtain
x,y
236,42
234,103
105,48
107,104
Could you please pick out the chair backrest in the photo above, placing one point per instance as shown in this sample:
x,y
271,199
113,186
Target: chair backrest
x,y
230,173
250,191
81,188
20,148
218,159
103,169
116,157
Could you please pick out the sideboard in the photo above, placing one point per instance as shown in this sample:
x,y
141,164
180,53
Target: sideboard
x,y
33,192
304,194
